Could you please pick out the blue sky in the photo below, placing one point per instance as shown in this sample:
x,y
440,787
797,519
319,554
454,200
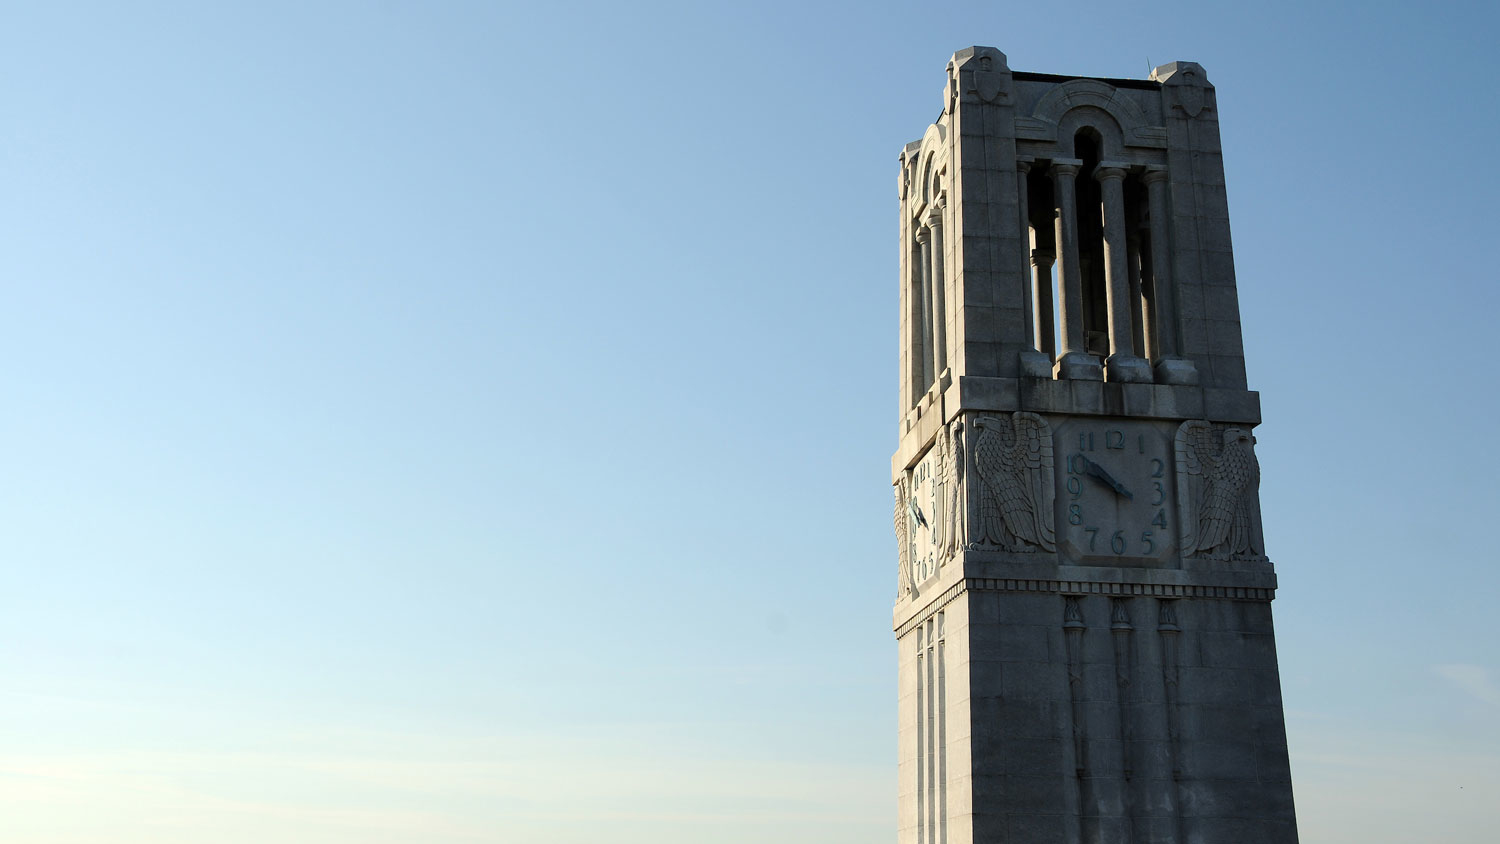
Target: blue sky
x,y
459,422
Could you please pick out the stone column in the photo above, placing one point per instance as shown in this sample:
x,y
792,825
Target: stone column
x,y
1170,368
1074,360
1034,364
1145,341
1122,364
1041,271
938,280
924,285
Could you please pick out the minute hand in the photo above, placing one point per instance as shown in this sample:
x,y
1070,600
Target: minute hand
x,y
1097,471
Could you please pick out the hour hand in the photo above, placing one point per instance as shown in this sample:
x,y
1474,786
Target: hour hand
x,y
1097,471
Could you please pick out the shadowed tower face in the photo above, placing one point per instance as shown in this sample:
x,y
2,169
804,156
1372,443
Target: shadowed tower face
x,y
1083,608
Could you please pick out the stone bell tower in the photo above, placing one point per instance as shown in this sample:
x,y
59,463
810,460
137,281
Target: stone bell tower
x,y
1084,602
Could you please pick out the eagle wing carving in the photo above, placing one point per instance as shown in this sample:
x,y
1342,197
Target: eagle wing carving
x,y
904,579
1014,459
1221,481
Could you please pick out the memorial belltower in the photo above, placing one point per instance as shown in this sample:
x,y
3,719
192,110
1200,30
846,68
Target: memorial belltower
x,y
1083,610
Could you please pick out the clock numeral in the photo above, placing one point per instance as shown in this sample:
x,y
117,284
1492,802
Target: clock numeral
x,y
1114,440
1075,514
1075,488
1146,538
1117,542
1093,534
1086,441
1157,467
1161,494
1160,520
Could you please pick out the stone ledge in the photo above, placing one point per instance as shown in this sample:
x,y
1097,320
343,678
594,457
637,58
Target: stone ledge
x,y
1087,580
1103,398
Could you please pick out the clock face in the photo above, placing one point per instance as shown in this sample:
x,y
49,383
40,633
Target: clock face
x,y
1115,491
925,514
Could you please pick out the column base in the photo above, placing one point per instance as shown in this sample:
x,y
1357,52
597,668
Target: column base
x,y
1127,368
1079,366
1035,364
1180,371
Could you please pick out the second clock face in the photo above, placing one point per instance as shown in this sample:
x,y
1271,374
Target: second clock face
x,y
1115,491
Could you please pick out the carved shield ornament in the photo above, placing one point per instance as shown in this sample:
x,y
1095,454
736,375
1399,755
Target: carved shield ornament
x,y
1190,94
987,84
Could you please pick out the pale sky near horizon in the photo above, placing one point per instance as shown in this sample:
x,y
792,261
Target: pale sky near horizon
x,y
470,422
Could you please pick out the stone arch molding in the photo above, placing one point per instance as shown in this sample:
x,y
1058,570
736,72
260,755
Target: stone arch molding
x,y
932,158
1052,110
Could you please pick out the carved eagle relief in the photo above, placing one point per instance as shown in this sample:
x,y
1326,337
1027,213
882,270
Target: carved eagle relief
x,y
1013,455
1219,491
954,528
905,582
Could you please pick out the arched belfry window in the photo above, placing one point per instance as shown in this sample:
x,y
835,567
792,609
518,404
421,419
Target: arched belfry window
x,y
1088,221
926,292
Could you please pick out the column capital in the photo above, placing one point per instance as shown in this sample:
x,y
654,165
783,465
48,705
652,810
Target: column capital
x,y
1154,175
1040,258
1109,170
1066,166
1023,165
923,234
934,217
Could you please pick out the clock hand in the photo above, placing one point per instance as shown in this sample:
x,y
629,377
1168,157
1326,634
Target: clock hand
x,y
1097,471
915,512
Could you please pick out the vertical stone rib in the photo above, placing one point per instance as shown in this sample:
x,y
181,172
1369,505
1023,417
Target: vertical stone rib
x,y
931,739
920,795
1073,628
1167,629
942,735
1120,630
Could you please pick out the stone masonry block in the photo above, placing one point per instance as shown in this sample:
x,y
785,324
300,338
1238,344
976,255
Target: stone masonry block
x,y
1223,686
1186,263
1218,268
1219,760
1034,828
1032,608
1236,649
1033,757
1010,325
979,324
974,216
1229,371
1213,202
1184,195
1215,234
1208,168
1224,338
978,285
1022,643
1000,126
980,357
971,148
1194,338
1030,680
